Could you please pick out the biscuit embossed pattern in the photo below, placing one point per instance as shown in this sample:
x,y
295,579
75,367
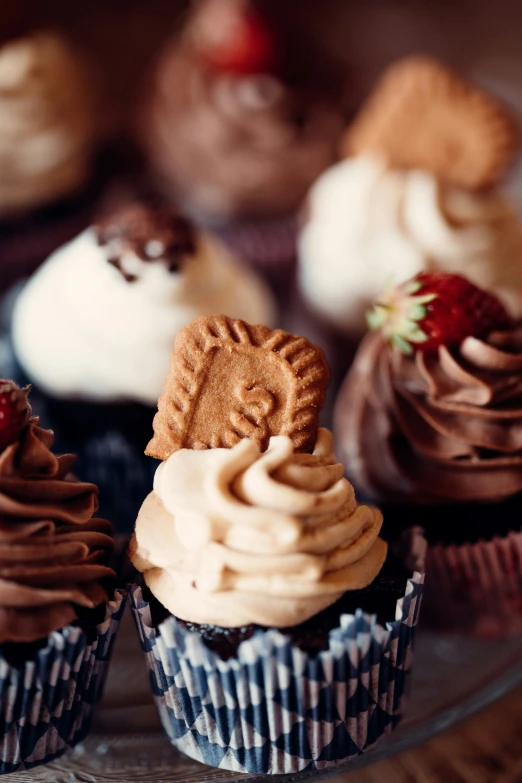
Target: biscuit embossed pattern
x,y
206,404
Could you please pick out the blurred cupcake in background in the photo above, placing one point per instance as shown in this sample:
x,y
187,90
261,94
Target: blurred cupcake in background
x,y
59,611
94,328
418,190
50,130
428,423
232,136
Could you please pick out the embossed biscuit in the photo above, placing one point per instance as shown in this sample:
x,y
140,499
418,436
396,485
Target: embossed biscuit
x,y
423,115
229,380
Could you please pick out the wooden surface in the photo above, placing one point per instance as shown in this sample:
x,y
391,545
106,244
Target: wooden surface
x,y
485,749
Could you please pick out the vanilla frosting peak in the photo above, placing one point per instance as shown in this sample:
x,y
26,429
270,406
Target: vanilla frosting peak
x,y
368,223
235,536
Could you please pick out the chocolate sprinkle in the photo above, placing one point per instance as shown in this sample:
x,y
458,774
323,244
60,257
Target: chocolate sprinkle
x,y
152,233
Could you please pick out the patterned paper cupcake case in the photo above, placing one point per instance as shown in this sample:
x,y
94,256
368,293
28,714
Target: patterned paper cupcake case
x,y
46,704
475,588
273,709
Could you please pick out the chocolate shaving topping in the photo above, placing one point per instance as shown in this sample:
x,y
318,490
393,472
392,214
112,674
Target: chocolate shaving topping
x,y
152,233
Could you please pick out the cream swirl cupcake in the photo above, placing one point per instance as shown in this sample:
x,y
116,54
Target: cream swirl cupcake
x,y
259,564
406,202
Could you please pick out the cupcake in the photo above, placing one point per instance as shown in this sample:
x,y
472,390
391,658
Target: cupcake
x,y
417,191
428,422
276,622
231,136
94,328
49,131
58,609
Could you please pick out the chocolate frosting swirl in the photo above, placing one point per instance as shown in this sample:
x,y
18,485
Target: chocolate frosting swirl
x,y
226,145
435,427
52,552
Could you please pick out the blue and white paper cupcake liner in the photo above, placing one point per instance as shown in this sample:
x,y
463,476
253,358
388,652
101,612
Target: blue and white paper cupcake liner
x,y
46,704
273,709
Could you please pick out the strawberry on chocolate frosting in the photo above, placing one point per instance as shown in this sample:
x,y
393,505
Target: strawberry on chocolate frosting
x,y
432,426
53,553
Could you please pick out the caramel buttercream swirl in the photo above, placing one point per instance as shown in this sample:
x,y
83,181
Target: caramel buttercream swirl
x,y
435,427
235,536
52,551
227,144
47,122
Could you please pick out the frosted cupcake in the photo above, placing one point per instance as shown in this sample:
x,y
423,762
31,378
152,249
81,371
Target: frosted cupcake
x,y
231,140
418,191
429,424
49,132
58,609
94,328
261,569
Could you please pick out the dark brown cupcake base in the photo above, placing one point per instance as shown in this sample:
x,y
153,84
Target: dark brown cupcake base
x,y
457,523
379,598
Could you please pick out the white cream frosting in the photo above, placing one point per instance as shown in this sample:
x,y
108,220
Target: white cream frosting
x,y
235,536
368,225
47,122
81,330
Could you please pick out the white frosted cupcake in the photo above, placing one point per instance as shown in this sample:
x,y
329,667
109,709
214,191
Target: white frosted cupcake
x,y
418,193
94,328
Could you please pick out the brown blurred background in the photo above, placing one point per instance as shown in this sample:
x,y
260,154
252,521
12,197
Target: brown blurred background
x,y
123,35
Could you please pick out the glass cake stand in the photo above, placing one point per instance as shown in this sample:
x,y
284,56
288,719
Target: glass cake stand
x,y
453,678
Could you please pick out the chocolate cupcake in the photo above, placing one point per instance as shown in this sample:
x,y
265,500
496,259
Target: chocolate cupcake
x,y
94,328
231,137
265,581
49,134
429,425
58,609
419,190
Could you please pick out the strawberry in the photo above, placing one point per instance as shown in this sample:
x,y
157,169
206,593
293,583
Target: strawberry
x,y
14,412
231,37
434,309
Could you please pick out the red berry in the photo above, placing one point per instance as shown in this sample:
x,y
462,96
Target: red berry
x,y
233,38
14,412
437,308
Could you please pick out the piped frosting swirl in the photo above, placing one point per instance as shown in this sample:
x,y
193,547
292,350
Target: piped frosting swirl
x,y
435,428
52,551
235,536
